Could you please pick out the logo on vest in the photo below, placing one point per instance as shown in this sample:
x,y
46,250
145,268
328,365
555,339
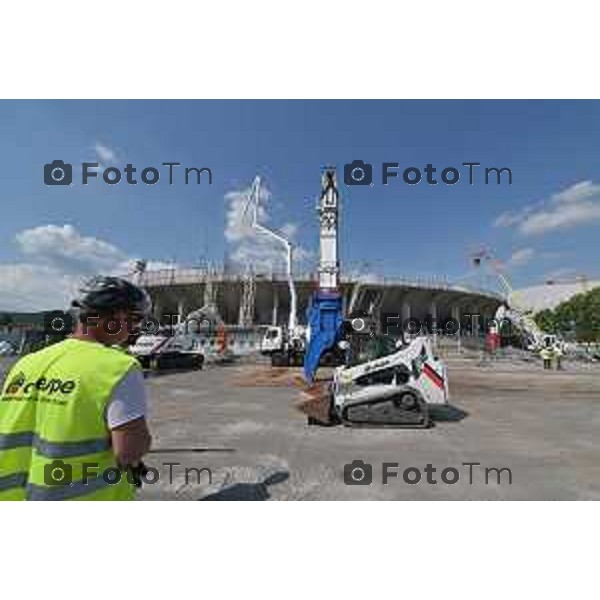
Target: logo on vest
x,y
16,383
49,386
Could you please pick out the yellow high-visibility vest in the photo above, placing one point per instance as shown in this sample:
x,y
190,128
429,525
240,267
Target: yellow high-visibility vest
x,y
54,440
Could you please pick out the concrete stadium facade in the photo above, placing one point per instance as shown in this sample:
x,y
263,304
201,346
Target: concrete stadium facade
x,y
254,300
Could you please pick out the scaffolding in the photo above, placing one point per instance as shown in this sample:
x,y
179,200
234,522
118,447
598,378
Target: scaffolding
x,y
248,299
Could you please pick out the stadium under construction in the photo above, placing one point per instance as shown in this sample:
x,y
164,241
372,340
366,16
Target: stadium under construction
x,y
263,299
306,310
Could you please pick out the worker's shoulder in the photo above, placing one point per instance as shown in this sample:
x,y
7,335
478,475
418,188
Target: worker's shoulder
x,y
42,354
102,352
95,355
31,362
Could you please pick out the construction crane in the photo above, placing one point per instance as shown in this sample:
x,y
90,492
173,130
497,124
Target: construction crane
x,y
254,201
285,346
517,312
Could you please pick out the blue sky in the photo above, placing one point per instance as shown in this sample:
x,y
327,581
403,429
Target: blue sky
x,y
545,224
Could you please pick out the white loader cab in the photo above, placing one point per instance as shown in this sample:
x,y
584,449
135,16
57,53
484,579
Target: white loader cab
x,y
390,384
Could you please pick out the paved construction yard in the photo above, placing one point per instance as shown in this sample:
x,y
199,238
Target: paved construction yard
x,y
542,426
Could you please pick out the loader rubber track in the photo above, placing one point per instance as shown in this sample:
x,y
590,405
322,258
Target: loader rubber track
x,y
386,413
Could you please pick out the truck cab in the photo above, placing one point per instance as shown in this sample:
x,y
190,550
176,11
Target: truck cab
x,y
272,340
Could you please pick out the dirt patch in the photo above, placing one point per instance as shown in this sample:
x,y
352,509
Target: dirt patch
x,y
315,402
267,376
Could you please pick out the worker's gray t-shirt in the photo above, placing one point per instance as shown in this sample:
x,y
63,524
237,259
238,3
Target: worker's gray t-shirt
x,y
128,401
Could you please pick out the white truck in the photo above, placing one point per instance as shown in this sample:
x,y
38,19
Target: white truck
x,y
285,350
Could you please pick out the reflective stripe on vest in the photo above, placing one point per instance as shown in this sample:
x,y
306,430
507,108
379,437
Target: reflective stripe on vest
x,y
13,481
8,441
58,492
52,449
65,492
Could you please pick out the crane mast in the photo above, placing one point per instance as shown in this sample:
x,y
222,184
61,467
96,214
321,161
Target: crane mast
x,y
254,200
325,313
328,209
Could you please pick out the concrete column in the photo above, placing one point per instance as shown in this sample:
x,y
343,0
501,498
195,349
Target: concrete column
x,y
456,312
406,310
381,298
240,319
157,308
275,306
347,300
180,310
354,300
405,314
434,323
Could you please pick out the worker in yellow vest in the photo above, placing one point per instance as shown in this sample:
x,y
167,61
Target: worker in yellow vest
x,y
73,415
559,352
547,354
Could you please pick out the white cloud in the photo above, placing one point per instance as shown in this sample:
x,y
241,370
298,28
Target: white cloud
x,y
238,220
58,259
576,205
251,247
65,248
104,154
30,287
584,190
508,219
521,257
561,217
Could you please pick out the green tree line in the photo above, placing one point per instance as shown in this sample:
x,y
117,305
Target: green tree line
x,y
578,317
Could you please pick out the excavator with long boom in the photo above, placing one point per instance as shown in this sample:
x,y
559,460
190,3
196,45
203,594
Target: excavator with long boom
x,y
285,346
